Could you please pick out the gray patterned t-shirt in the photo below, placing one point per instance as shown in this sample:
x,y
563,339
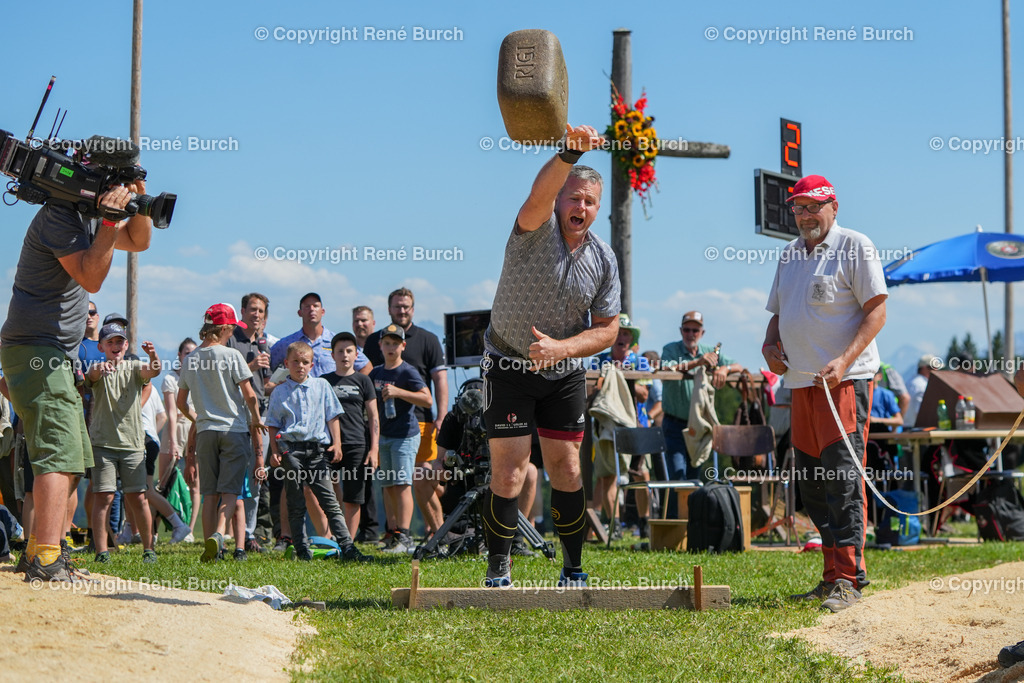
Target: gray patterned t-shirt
x,y
546,286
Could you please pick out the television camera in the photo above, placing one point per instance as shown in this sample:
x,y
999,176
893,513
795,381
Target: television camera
x,y
75,173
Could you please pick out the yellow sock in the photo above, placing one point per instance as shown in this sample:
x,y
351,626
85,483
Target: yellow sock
x,y
30,550
47,554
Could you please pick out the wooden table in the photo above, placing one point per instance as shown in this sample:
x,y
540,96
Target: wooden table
x,y
915,439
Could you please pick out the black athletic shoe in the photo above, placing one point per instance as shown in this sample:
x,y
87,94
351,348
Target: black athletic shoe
x,y
350,553
1011,654
240,555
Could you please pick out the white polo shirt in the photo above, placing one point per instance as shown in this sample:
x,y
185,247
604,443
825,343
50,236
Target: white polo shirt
x,y
819,298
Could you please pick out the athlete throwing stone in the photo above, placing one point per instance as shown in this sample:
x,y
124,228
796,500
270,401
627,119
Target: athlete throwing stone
x,y
557,302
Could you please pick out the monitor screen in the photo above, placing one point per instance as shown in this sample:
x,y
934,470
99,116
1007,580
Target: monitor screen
x,y
464,337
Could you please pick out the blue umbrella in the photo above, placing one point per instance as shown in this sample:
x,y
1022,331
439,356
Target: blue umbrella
x,y
976,257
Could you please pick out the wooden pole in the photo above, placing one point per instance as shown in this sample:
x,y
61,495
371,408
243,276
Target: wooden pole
x,y
132,294
622,194
1007,180
698,588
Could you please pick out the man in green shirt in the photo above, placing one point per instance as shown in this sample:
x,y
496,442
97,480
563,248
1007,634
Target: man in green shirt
x,y
686,356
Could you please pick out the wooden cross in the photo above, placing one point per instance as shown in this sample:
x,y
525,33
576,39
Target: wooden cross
x,y
622,193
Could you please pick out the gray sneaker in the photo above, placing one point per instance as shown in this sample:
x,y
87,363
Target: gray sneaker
x,y
65,554
149,556
819,592
55,571
843,595
499,572
402,545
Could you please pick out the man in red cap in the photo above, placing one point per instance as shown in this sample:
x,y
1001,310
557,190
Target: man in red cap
x,y
828,304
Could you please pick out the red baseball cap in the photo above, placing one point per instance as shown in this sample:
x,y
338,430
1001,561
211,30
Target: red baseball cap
x,y
222,314
814,186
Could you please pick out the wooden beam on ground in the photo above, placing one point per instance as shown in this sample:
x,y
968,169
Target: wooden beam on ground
x,y
559,599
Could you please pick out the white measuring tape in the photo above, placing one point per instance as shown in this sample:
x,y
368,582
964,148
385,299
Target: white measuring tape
x,y
871,485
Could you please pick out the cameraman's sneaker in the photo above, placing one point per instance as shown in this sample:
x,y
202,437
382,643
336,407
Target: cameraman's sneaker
x,y
1011,654
214,548
102,558
149,556
76,571
55,571
843,595
499,572
568,579
350,553
240,555
819,592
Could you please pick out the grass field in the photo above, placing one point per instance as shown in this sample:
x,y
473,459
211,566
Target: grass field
x,y
361,637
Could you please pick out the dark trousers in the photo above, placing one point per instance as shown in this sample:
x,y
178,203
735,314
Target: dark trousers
x,y
275,485
368,524
305,465
833,493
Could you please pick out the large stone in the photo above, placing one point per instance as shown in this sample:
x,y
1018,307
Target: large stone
x,y
533,86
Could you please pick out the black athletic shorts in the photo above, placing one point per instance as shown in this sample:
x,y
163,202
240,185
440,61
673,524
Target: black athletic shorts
x,y
517,400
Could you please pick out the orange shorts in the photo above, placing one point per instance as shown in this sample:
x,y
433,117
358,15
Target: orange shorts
x,y
428,447
814,427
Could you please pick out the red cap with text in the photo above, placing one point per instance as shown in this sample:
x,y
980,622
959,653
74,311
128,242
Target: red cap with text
x,y
222,314
815,187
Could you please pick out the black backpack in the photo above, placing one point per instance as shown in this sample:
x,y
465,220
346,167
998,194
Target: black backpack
x,y
715,523
999,510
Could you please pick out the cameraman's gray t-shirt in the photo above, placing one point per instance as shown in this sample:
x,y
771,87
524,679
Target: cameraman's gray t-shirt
x,y
49,308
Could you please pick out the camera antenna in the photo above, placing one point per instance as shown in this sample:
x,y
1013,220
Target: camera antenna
x,y
42,104
54,133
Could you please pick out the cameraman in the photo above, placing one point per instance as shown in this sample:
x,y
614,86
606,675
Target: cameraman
x,y
64,258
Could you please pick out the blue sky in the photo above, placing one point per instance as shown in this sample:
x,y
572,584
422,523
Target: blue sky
x,y
378,144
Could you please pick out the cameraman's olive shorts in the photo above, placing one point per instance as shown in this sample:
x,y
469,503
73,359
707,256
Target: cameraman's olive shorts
x,y
42,388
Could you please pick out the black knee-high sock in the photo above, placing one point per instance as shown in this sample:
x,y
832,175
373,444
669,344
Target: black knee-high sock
x,y
567,510
500,517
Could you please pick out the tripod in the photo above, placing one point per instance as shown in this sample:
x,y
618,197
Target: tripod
x,y
465,505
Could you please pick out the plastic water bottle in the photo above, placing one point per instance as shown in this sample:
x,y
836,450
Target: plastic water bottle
x,y
942,413
960,411
970,414
389,409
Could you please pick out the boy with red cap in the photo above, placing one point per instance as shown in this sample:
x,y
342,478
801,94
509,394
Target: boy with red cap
x,y
224,443
828,304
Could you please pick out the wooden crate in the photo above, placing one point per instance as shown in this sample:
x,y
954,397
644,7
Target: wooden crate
x,y
667,534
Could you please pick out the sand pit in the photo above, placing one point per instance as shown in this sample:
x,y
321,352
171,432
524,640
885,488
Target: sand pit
x,y
119,630
949,628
